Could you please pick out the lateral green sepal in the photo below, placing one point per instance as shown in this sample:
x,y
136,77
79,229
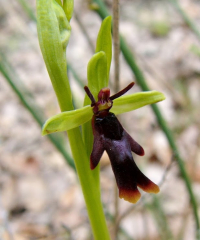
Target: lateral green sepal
x,y
67,120
136,100
70,119
96,72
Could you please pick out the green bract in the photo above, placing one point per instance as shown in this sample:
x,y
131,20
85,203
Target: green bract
x,y
68,6
54,33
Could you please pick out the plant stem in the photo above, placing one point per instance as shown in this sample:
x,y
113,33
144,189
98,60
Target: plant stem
x,y
103,12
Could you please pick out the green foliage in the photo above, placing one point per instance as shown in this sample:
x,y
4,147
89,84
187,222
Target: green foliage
x,y
159,28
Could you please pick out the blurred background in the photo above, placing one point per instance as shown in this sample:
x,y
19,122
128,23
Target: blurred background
x,y
40,197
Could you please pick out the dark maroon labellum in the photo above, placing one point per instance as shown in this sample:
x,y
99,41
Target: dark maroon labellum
x,y
109,135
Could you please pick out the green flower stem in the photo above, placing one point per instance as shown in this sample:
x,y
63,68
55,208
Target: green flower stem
x,y
103,12
54,32
24,95
186,18
90,185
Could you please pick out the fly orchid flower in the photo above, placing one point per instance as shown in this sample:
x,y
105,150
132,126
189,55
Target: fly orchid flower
x,y
110,136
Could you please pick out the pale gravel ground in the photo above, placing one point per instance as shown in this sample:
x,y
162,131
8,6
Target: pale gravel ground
x,y
34,176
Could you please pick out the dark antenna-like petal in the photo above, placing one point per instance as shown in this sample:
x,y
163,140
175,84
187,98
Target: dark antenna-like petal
x,y
91,97
123,91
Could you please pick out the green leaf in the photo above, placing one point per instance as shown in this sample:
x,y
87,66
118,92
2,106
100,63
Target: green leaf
x,y
136,100
104,42
67,120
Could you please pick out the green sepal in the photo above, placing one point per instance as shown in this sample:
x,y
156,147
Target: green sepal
x,y
136,100
71,119
96,73
67,120
104,42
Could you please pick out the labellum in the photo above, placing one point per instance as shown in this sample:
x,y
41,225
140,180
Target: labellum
x,y
110,136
